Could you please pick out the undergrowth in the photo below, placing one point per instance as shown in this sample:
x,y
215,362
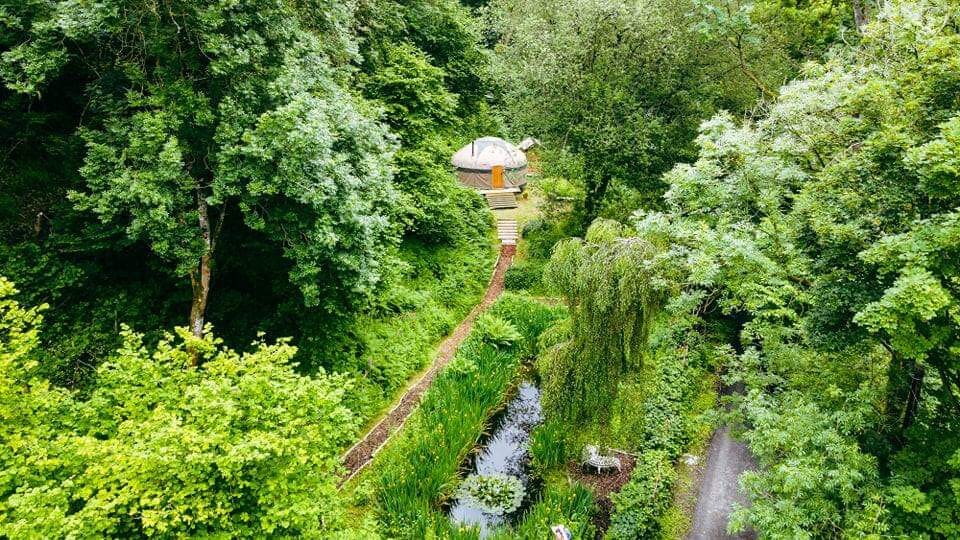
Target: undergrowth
x,y
435,288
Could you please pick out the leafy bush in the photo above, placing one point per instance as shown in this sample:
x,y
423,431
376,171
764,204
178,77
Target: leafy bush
x,y
540,236
240,447
496,331
496,494
524,275
641,502
528,316
659,412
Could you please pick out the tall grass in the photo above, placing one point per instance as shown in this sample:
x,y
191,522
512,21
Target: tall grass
x,y
561,502
548,446
419,469
431,290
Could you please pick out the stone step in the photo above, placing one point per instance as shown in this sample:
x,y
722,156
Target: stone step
x,y
507,232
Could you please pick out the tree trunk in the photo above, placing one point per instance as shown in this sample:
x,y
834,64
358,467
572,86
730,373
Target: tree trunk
x,y
916,374
745,69
200,281
200,276
904,388
860,18
596,189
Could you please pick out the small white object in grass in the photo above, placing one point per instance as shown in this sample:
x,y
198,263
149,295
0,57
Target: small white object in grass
x,y
561,532
691,460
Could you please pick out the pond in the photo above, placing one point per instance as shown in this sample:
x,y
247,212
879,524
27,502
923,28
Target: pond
x,y
506,452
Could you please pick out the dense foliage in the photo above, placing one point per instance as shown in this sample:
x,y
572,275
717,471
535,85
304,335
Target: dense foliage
x,y
267,166
218,160
280,167
827,225
614,286
617,89
241,446
644,498
173,139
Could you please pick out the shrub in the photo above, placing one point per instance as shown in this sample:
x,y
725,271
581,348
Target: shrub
x,y
241,446
496,331
530,317
659,413
524,275
643,500
557,334
496,494
540,237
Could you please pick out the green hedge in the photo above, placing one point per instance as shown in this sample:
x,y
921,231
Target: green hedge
x,y
524,275
663,423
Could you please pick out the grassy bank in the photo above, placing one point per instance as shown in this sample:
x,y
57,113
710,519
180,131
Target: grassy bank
x,y
408,481
435,289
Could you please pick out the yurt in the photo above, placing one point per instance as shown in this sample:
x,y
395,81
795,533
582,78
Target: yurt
x,y
491,163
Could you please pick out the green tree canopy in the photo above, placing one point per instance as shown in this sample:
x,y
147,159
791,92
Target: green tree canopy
x,y
615,283
197,110
242,446
829,226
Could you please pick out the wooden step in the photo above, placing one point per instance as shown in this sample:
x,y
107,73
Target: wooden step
x,y
501,200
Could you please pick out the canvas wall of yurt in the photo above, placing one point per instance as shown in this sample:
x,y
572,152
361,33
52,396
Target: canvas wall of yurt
x,y
490,163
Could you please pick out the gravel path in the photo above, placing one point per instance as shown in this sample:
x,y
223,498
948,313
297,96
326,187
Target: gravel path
x,y
719,489
362,453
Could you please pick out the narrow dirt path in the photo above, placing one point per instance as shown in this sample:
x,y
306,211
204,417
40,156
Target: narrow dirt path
x,y
727,458
357,457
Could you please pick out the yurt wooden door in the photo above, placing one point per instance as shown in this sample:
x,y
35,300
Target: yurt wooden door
x,y
496,176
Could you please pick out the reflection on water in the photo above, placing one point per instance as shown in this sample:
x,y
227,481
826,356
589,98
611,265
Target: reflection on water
x,y
505,452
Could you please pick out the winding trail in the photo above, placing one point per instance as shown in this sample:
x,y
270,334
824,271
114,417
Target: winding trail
x,y
727,458
357,457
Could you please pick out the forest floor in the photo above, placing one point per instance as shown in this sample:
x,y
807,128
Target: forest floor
x,y
357,457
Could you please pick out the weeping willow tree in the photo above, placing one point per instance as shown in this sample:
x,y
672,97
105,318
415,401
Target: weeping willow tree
x,y
614,284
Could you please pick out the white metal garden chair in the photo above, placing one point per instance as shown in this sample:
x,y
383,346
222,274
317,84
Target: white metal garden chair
x,y
592,457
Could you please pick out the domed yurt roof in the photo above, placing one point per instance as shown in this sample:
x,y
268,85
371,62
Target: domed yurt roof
x,y
487,152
